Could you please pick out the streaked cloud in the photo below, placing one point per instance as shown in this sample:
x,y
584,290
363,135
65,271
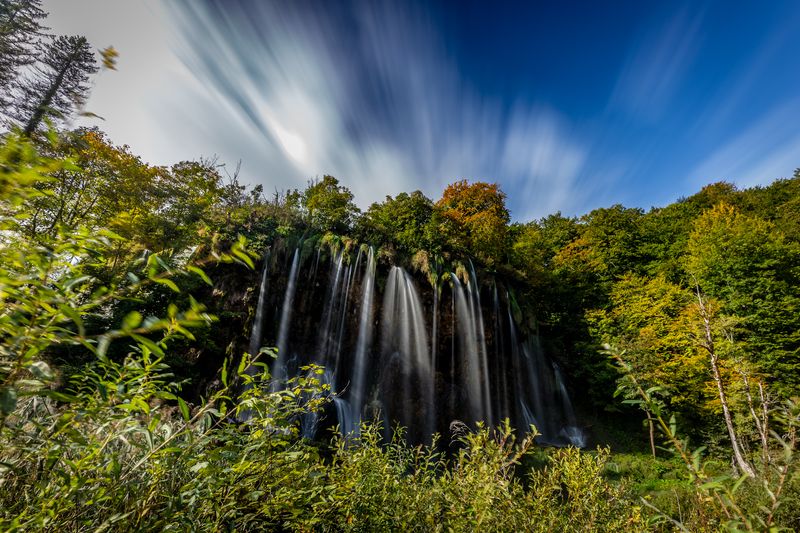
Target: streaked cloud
x,y
376,102
767,149
657,65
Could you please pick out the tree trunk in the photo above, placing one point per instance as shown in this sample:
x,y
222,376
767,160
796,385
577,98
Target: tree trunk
x,y
47,99
741,462
761,423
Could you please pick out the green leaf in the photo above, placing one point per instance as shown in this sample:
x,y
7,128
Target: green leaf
x,y
738,483
132,320
202,275
198,466
74,316
60,396
8,400
149,344
76,281
41,370
167,283
184,409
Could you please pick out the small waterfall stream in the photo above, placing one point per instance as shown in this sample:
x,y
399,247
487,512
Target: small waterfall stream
x,y
363,344
257,330
469,348
280,372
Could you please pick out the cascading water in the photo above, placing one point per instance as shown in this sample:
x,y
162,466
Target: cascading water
x,y
472,340
541,393
257,330
256,333
371,334
500,374
480,336
362,346
327,344
280,371
406,357
571,431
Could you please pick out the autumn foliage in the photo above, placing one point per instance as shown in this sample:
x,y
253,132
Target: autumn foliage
x,y
475,219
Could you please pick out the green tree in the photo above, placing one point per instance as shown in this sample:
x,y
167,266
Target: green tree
x,y
107,187
20,30
535,244
329,206
614,239
58,85
654,322
401,220
748,264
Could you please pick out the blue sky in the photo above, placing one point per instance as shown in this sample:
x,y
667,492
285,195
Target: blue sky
x,y
569,106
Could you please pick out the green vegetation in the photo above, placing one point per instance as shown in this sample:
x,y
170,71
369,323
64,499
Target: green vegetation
x,y
126,404
116,446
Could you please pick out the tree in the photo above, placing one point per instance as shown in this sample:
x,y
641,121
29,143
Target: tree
x,y
748,264
19,32
401,220
654,322
58,86
615,237
106,186
328,205
473,218
535,244
102,183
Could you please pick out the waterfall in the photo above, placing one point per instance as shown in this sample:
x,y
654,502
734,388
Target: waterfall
x,y
348,289
435,325
256,333
309,422
469,350
539,382
500,382
371,334
331,299
480,337
571,431
257,330
363,344
280,371
405,351
453,346
535,386
344,414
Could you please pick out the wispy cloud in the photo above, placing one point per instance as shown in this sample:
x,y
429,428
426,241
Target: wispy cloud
x,y
369,94
752,77
768,148
652,74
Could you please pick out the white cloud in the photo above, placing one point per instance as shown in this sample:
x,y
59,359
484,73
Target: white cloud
x,y
767,149
379,105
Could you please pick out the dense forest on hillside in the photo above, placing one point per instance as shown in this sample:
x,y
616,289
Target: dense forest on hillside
x,y
132,396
